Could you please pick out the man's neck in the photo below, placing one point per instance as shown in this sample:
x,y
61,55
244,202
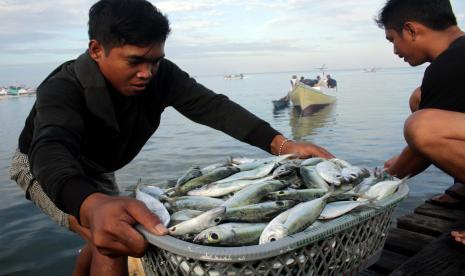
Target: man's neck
x,y
443,39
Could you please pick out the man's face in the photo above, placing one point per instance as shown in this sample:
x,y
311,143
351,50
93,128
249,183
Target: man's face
x,y
129,68
405,46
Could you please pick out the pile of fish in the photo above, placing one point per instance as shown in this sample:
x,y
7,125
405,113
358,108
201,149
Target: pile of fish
x,y
245,201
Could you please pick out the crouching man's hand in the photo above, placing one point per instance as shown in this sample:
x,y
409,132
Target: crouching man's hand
x,y
110,220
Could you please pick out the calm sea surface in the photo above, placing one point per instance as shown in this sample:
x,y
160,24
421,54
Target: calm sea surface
x,y
363,127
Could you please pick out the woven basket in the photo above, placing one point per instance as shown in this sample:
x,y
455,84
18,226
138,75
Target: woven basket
x,y
344,245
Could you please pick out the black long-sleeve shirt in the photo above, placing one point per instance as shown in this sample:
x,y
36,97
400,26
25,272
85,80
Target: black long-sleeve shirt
x,y
80,126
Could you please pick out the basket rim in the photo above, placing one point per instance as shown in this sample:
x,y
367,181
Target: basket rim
x,y
287,244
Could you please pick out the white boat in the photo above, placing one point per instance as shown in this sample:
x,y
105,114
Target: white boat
x,y
3,91
234,77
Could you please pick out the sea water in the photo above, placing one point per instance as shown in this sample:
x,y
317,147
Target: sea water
x,y
364,127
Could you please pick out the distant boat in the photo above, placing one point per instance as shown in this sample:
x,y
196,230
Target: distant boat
x,y
3,91
234,77
370,70
309,99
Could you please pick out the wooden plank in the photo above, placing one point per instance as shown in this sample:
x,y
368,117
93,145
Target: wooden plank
x,y
444,256
135,267
389,261
431,210
406,242
424,224
369,272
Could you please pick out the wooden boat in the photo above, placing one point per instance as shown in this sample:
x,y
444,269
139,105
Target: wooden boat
x,y
309,99
281,103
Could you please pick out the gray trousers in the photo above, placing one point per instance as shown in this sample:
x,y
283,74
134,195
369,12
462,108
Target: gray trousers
x,y
21,173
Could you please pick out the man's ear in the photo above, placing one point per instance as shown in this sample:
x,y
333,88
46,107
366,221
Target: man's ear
x,y
96,50
411,29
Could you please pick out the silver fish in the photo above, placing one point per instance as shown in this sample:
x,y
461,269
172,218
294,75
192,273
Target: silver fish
x,y
384,189
184,215
199,223
192,173
253,194
304,214
275,230
312,179
260,162
330,172
231,234
259,172
312,161
352,173
210,177
341,163
339,208
220,189
200,203
259,212
300,195
154,205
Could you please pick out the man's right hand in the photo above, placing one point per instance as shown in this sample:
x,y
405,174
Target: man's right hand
x,y
110,220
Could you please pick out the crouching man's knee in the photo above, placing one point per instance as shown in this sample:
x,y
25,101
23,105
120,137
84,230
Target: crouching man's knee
x,y
419,129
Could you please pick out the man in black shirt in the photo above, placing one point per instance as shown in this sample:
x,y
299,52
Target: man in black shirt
x,y
426,31
93,115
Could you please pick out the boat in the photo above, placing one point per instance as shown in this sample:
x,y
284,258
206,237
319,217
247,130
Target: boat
x,y
234,77
3,91
281,103
309,99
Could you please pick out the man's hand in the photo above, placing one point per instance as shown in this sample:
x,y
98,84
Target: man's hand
x,y
303,150
388,164
110,220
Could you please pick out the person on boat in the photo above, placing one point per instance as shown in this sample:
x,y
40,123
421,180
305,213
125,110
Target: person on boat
x,y
330,82
93,115
435,132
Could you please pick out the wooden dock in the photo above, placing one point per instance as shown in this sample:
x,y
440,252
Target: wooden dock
x,y
421,244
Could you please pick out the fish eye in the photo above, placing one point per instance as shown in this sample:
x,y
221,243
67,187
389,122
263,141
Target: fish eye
x,y
217,220
272,239
213,237
280,192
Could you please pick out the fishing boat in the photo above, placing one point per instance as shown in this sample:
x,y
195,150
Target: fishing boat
x,y
308,99
3,91
234,77
281,103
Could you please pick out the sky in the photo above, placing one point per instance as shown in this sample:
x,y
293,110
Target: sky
x,y
209,37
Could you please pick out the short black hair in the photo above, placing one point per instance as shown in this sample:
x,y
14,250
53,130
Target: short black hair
x,y
434,14
135,22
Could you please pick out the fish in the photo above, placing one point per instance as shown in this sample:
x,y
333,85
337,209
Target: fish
x,y
330,172
153,204
384,189
210,177
352,173
260,212
184,215
220,189
312,179
312,161
340,162
299,195
152,190
285,169
293,220
247,166
196,225
304,214
192,173
254,194
336,209
231,234
200,203
256,173
275,229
